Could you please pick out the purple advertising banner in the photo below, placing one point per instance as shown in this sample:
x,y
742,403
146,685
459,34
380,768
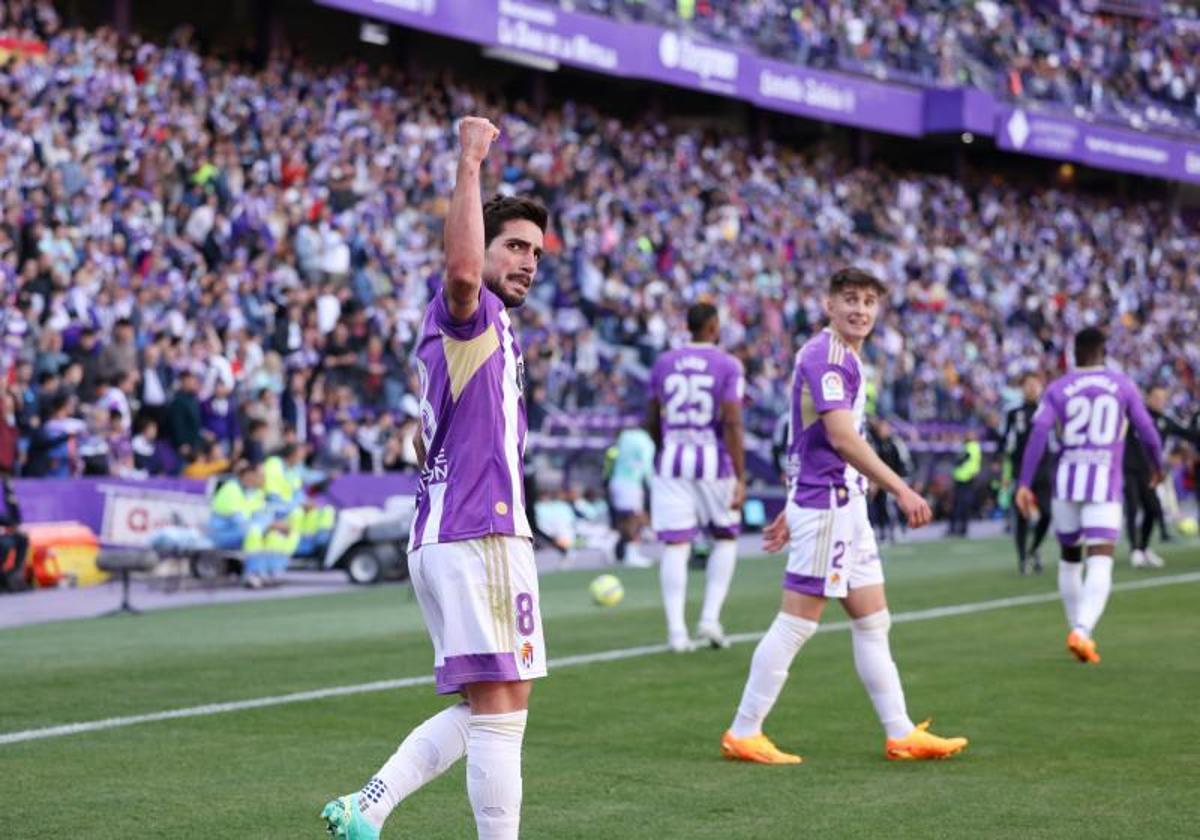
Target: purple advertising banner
x,y
465,19
959,109
579,40
640,51
648,52
85,499
1132,8
82,499
1105,147
677,59
836,97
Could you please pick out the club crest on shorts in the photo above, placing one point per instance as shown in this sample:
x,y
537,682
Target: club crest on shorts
x,y
527,654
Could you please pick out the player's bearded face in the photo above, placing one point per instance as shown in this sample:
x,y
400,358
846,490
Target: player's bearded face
x,y
852,312
511,261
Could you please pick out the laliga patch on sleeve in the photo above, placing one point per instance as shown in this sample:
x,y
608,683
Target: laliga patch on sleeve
x,y
833,389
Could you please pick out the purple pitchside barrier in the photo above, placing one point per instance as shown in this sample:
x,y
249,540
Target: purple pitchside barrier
x,y
85,499
641,51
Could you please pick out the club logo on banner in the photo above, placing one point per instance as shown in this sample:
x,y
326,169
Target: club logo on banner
x,y
1018,129
716,68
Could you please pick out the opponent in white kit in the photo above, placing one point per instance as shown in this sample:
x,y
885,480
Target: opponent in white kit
x,y
699,481
471,552
1090,409
831,547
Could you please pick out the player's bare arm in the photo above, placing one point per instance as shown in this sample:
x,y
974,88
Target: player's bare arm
x,y
733,429
844,437
1148,439
776,535
1025,499
654,423
464,242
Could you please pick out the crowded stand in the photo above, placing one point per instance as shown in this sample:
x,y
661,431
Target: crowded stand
x,y
203,261
1144,71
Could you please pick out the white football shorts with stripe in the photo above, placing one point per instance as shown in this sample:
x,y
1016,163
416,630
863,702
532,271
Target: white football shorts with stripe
x,y
481,605
1086,523
627,496
831,551
680,507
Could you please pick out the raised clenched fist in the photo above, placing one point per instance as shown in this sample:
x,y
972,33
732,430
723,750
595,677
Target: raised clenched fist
x,y
475,134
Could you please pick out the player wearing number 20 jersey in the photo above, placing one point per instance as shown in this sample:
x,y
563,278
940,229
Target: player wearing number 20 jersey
x,y
696,420
1090,408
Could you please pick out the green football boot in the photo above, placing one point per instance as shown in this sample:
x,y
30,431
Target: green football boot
x,y
344,819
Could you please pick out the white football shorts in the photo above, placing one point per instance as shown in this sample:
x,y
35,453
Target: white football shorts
x,y
831,551
680,507
627,496
482,608
1086,523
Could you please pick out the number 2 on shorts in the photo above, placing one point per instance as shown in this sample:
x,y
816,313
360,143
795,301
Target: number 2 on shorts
x,y
839,551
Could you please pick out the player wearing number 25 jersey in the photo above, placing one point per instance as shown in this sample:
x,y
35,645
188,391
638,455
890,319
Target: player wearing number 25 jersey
x,y
1090,408
699,477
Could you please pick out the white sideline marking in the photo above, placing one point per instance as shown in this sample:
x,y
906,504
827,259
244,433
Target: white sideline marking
x,y
562,662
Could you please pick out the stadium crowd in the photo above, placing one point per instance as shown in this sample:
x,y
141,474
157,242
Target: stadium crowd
x,y
200,260
1143,72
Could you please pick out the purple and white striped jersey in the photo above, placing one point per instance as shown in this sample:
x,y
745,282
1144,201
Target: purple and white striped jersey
x,y
1090,409
473,426
690,383
827,377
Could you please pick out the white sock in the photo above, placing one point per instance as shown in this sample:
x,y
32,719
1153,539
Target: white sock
x,y
1070,587
718,577
633,553
1096,587
877,670
494,773
673,575
427,752
769,671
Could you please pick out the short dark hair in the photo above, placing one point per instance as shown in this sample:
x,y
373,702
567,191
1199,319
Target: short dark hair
x,y
503,208
1030,374
243,466
1089,345
855,278
698,315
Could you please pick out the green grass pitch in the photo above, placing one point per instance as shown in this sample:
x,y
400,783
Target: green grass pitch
x,y
625,749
